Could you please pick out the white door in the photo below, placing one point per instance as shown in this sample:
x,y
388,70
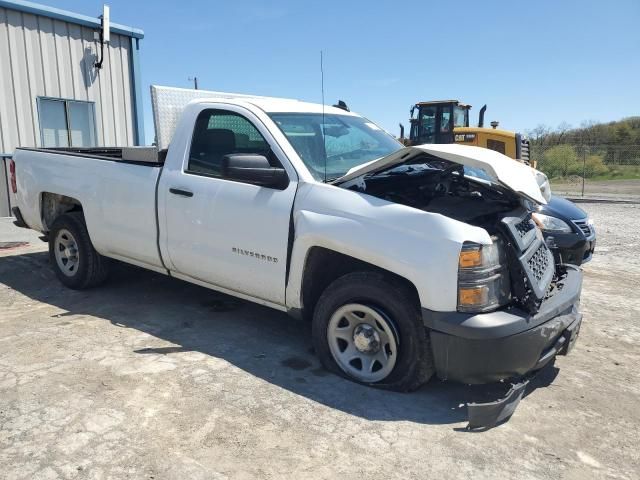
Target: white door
x,y
227,233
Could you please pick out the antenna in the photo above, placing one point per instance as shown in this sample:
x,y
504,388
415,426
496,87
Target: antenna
x,y
324,140
195,82
106,24
105,32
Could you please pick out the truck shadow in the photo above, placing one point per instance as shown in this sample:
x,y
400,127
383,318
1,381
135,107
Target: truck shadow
x,y
259,340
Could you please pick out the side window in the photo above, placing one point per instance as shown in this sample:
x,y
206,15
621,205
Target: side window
x,y
460,116
218,133
428,124
445,121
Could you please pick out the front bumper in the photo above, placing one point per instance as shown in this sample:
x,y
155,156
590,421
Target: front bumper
x,y
571,248
488,347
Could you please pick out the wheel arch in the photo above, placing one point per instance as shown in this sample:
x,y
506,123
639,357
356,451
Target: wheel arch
x,y
52,205
322,266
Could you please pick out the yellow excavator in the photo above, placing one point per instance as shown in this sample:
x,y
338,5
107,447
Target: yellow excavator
x,y
447,121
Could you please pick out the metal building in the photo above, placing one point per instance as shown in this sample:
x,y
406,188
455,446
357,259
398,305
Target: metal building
x,y
51,92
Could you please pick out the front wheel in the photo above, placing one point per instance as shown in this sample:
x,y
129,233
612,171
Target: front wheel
x,y
368,329
75,262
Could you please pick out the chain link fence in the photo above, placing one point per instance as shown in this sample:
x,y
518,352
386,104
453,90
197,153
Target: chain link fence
x,y
604,171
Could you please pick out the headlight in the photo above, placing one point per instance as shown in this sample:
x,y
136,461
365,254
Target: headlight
x,y
543,183
550,224
483,280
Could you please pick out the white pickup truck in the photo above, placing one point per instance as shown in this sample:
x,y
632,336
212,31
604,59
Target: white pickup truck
x,y
407,261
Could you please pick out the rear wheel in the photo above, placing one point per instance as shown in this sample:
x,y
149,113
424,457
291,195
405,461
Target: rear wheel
x,y
65,249
367,328
75,262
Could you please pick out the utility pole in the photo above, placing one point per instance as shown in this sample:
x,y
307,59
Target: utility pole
x,y
195,82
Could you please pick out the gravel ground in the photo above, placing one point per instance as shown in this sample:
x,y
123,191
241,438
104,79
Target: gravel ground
x,y
612,189
148,377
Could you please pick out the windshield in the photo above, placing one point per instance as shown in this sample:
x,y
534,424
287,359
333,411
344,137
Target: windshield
x,y
349,141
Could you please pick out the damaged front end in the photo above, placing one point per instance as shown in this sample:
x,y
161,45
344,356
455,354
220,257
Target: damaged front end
x,y
517,270
530,261
526,307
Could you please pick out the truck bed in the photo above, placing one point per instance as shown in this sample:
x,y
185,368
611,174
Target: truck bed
x,y
117,194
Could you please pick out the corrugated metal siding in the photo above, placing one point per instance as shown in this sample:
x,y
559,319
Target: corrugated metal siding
x,y
40,56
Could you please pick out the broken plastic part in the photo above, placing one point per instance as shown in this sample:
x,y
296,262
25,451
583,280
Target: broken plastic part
x,y
489,414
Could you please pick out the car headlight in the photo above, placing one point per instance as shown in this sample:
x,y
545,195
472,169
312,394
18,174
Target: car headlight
x,y
550,224
543,183
483,279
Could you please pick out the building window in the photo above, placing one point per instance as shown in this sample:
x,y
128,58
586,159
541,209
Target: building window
x,y
66,123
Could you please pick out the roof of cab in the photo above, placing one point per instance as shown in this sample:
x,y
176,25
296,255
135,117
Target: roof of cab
x,y
168,103
279,105
438,102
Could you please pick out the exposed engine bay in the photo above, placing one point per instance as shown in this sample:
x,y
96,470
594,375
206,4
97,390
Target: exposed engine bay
x,y
439,186
435,185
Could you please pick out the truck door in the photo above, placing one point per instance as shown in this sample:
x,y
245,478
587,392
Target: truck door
x,y
221,232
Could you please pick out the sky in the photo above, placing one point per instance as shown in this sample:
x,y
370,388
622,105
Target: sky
x,y
543,62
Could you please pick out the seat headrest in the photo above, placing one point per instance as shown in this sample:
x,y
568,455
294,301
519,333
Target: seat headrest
x,y
217,140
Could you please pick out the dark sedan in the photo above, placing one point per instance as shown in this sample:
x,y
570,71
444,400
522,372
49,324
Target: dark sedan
x,y
567,229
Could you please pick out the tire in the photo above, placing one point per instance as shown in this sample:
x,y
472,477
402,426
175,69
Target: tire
x,y
394,351
75,262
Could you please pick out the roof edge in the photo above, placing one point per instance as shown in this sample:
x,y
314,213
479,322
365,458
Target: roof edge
x,y
67,16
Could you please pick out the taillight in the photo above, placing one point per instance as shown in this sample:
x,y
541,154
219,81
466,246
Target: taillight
x,y
12,172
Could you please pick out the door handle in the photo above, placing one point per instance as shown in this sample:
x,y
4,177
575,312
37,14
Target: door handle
x,y
183,193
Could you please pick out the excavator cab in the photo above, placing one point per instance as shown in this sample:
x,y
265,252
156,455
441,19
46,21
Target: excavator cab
x,y
433,122
447,121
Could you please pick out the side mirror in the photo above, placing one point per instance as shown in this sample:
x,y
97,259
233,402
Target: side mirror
x,y
254,169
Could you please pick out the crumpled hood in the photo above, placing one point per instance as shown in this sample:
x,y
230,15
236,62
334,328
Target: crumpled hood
x,y
501,169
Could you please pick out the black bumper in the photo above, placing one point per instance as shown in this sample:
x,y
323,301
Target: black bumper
x,y
571,248
507,343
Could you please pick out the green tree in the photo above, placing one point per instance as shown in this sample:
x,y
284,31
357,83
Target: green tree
x,y
623,134
594,165
560,161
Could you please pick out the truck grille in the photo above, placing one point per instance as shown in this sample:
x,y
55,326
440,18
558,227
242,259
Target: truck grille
x,y
533,257
584,226
538,267
539,263
523,227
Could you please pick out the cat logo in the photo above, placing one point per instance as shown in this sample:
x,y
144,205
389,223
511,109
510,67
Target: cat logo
x,y
465,137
